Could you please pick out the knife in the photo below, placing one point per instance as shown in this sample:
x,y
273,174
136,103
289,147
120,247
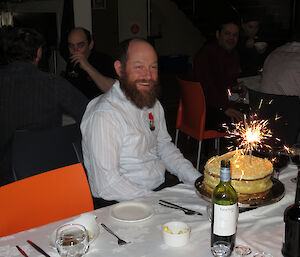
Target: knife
x,y
180,207
21,251
39,249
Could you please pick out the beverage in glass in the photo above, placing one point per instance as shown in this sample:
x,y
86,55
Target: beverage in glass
x,y
72,240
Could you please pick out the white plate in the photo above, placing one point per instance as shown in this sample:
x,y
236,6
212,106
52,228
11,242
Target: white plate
x,y
131,211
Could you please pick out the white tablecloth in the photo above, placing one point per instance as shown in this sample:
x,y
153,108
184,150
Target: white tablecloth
x,y
252,82
261,228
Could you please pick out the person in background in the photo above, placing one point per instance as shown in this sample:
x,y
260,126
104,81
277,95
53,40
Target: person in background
x,y
250,47
91,72
279,92
216,66
29,97
126,146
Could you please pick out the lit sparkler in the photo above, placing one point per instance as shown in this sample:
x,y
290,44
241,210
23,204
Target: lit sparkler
x,y
250,134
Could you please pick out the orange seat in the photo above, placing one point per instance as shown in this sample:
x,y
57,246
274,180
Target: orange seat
x,y
191,115
44,198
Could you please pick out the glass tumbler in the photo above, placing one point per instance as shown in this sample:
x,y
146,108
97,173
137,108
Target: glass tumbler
x,y
72,240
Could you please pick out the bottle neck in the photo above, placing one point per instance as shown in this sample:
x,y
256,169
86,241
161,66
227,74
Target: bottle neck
x,y
297,198
224,174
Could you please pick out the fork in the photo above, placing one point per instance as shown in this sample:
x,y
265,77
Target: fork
x,y
120,241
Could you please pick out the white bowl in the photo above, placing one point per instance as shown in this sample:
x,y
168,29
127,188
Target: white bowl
x,y
176,233
260,45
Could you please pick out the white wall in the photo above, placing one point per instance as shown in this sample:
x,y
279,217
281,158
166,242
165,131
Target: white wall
x,y
83,14
132,12
179,35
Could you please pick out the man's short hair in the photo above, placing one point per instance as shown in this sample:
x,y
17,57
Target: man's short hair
x,y
22,44
85,31
224,22
122,51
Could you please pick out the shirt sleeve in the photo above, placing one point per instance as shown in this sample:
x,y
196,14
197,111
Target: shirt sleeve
x,y
71,100
173,159
102,138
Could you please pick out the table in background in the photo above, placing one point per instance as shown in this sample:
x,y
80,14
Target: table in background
x,y
262,228
252,82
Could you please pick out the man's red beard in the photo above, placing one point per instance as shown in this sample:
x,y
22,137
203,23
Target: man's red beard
x,y
141,99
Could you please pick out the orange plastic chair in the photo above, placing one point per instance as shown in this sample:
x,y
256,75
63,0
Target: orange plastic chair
x,y
191,115
44,198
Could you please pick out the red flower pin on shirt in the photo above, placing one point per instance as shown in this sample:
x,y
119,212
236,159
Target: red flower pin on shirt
x,y
151,121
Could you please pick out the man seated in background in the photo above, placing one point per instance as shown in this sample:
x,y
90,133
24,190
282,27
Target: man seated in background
x,y
126,145
217,67
251,56
29,97
279,92
91,72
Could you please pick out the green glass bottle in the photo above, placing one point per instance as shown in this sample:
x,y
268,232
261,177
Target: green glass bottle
x,y
224,208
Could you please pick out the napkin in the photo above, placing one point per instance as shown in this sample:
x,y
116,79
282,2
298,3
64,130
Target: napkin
x,y
88,220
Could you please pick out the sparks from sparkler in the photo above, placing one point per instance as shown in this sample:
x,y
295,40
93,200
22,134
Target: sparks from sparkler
x,y
251,134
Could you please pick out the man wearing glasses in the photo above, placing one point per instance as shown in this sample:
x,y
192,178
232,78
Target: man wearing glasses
x,y
91,72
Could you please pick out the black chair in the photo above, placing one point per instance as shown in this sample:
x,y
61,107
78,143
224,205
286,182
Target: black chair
x,y
281,111
38,151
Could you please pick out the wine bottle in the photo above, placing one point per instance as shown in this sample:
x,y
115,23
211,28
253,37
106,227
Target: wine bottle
x,y
291,245
224,208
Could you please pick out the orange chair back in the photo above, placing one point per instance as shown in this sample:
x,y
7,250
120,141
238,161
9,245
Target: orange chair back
x,y
191,110
44,198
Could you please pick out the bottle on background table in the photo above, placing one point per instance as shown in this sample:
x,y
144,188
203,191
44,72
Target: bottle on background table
x,y
224,213
291,241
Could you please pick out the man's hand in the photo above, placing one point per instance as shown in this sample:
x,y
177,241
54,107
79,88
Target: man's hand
x,y
241,89
81,59
234,114
244,90
250,42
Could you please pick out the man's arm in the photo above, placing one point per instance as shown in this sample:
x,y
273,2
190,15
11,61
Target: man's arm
x,y
102,139
71,100
104,83
173,159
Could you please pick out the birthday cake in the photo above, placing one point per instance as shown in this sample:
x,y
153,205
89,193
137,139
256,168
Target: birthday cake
x,y
250,175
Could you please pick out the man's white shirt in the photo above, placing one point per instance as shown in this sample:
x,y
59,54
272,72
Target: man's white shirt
x,y
124,158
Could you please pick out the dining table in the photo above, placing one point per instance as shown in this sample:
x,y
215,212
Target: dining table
x,y
251,82
260,228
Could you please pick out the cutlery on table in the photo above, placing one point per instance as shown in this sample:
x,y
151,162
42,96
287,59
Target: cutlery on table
x,y
120,241
175,206
21,251
39,249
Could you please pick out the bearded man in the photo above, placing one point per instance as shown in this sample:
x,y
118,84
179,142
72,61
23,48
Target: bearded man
x,y
126,145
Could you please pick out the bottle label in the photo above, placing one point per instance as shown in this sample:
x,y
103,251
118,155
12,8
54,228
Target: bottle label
x,y
225,219
225,174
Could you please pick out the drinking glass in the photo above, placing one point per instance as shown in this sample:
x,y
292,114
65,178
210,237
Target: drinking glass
x,y
295,157
72,240
221,249
280,159
74,72
242,250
